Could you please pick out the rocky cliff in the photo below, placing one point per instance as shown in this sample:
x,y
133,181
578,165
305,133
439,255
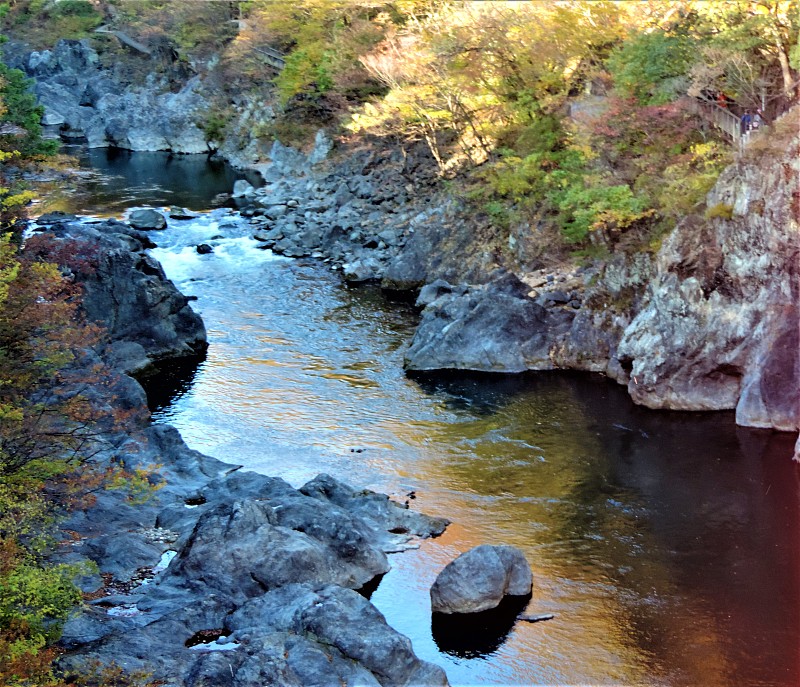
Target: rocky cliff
x,y
720,326
710,323
85,99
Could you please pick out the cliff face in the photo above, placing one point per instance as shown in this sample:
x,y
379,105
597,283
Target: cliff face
x,y
710,323
719,327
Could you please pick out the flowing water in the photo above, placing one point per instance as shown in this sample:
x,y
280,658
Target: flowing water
x,y
665,544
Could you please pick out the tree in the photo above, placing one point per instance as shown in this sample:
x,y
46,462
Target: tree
x,y
52,417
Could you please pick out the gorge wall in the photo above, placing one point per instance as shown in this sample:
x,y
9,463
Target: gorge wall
x,y
709,322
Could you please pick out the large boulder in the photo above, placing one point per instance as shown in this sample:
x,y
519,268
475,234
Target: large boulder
x,y
343,622
490,328
480,578
241,549
145,317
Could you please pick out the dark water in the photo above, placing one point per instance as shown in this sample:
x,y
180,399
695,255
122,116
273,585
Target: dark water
x,y
665,544
112,180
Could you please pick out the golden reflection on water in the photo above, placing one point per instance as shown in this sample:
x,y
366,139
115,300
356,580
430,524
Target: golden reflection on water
x,y
598,565
651,536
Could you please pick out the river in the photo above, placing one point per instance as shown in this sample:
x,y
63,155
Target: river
x,y
665,544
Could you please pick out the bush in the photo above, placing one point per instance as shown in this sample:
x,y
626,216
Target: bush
x,y
653,67
19,107
720,210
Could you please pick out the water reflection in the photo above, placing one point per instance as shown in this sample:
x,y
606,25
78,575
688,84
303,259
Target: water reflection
x,y
664,543
113,180
477,635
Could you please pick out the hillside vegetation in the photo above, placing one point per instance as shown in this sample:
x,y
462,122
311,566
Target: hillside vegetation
x,y
490,87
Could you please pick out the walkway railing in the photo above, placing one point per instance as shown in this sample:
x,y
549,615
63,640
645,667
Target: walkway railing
x,y
722,119
272,57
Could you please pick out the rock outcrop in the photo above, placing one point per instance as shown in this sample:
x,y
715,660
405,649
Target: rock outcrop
x,y
480,578
126,291
710,323
720,327
220,562
496,327
84,99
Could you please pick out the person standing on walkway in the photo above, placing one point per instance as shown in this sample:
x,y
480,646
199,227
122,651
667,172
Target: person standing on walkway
x,y
746,122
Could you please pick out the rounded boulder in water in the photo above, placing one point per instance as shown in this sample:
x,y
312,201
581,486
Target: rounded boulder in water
x,y
147,218
480,578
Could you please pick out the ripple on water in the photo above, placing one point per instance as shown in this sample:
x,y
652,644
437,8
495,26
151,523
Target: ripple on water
x,y
664,544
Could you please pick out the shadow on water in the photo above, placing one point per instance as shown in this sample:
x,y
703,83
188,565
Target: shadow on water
x,y
120,179
476,635
480,392
368,588
166,382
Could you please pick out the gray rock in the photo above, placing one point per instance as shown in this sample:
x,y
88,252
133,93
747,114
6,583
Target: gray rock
x,y
322,147
479,579
343,620
389,522
126,291
719,328
242,188
275,212
343,195
182,213
490,328
242,549
147,219
362,270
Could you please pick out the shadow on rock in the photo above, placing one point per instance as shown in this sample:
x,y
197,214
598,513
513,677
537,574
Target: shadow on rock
x,y
474,635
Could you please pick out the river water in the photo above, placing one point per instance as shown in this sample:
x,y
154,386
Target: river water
x,y
665,544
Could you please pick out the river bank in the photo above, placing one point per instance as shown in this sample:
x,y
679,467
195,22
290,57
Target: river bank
x,y
221,576
707,321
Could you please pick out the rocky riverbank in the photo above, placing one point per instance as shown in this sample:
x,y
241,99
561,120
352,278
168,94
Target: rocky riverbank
x,y
220,577
707,322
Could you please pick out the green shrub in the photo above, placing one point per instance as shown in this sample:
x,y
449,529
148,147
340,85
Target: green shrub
x,y
607,209
21,109
720,210
652,67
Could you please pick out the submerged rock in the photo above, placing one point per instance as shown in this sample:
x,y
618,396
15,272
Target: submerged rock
x,y
480,578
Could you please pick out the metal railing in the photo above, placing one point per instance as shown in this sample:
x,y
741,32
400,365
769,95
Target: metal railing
x,y
723,119
272,57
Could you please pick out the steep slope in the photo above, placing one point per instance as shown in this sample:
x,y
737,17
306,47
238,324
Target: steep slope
x,y
720,325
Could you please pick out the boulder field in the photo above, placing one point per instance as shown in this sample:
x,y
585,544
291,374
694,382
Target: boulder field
x,y
220,576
